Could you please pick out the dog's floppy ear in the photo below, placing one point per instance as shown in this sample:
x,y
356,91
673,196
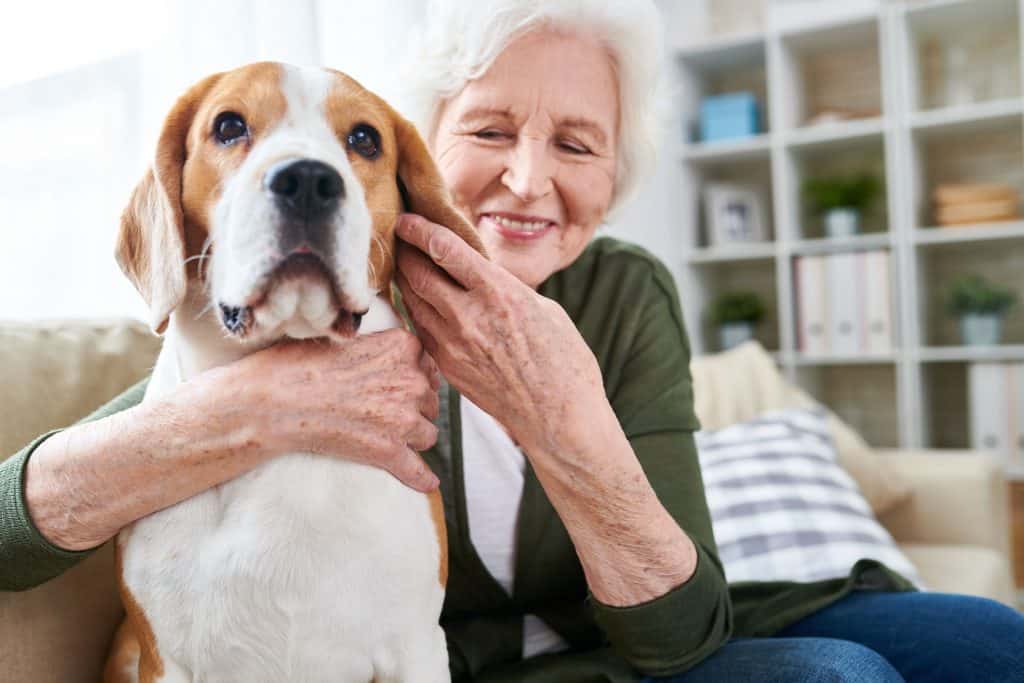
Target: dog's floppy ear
x,y
151,243
422,188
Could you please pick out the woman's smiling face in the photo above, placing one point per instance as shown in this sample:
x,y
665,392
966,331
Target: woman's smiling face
x,y
528,151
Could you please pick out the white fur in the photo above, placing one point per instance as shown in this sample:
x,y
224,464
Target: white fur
x,y
307,568
243,219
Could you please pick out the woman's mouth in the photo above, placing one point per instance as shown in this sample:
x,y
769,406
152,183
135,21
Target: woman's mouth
x,y
518,228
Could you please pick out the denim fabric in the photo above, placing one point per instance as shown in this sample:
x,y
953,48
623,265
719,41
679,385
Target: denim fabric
x,y
879,637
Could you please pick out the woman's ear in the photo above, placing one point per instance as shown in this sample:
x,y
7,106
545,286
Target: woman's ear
x,y
151,242
421,186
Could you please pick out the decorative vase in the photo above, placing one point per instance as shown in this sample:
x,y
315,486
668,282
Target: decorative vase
x,y
735,333
842,222
981,329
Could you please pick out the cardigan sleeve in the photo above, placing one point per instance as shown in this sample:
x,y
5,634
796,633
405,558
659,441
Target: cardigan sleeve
x,y
27,559
653,398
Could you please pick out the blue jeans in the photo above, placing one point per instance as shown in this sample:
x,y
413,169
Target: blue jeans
x,y
879,638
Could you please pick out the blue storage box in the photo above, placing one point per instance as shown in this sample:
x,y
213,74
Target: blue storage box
x,y
723,117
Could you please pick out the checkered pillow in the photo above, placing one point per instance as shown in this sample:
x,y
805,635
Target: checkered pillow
x,y
782,509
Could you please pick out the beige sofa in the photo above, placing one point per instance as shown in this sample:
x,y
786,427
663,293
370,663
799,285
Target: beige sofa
x,y
948,511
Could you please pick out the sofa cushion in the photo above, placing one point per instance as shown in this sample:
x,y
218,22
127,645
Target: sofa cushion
x,y
742,383
968,569
53,373
781,507
61,631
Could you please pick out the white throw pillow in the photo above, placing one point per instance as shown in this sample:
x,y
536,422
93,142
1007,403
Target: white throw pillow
x,y
781,507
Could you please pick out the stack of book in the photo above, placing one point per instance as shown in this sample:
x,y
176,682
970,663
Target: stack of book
x,y
844,304
995,394
960,204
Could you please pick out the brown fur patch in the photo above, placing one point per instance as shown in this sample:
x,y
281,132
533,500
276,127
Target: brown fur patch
x,y
404,161
254,92
437,513
167,219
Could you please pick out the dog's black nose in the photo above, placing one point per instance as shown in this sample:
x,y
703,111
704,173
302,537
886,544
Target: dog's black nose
x,y
308,190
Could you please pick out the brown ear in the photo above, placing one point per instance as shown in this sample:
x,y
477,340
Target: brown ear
x,y
424,191
151,243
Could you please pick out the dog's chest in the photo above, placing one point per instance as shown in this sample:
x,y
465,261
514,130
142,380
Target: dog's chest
x,y
282,565
300,563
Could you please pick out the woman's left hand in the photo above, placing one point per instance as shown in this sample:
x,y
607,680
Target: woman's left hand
x,y
519,357
514,353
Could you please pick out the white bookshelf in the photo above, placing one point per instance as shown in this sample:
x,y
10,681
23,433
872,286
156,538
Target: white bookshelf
x,y
879,59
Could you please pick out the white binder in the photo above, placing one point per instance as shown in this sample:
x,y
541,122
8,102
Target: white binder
x,y
812,300
991,395
877,326
844,303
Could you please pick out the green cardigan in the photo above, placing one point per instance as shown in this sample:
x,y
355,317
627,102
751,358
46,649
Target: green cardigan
x,y
625,305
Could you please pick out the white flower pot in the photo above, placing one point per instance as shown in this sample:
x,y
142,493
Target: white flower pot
x,y
981,329
733,334
842,222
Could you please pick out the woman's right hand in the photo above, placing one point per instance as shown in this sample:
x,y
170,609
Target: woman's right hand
x,y
370,399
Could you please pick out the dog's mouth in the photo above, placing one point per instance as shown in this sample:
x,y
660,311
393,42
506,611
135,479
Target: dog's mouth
x,y
300,297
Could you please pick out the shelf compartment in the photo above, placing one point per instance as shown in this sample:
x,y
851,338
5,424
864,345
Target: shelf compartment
x,y
754,173
864,155
722,67
756,276
960,52
986,151
945,409
938,267
831,69
864,395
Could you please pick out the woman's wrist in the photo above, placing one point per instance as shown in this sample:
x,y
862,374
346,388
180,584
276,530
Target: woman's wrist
x,y
601,492
84,484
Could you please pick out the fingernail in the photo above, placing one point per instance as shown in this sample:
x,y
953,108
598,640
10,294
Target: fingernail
x,y
433,482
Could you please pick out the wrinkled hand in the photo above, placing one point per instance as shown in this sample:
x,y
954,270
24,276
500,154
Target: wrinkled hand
x,y
370,399
514,353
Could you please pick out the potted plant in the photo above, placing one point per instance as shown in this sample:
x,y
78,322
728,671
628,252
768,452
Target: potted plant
x,y
841,200
736,314
980,307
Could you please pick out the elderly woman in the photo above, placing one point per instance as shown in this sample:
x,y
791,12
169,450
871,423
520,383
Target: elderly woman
x,y
580,541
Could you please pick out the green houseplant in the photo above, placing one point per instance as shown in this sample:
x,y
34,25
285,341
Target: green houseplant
x,y
980,307
736,314
841,200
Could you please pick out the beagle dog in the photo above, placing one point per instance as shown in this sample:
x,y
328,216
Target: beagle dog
x,y
268,213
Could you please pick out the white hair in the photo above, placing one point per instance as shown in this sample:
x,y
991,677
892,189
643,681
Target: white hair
x,y
461,39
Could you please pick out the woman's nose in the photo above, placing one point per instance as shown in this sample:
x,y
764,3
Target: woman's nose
x,y
529,171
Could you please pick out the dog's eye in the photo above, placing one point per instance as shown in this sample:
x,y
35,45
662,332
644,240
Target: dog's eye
x,y
365,140
229,127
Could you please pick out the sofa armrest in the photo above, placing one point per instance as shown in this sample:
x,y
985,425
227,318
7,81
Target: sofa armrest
x,y
957,497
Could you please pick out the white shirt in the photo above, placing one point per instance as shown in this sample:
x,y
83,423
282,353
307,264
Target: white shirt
x,y
493,469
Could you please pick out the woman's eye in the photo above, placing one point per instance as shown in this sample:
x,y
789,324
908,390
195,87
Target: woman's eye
x,y
573,147
229,127
490,134
364,140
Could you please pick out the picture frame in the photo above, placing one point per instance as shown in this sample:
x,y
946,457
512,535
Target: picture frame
x,y
734,214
